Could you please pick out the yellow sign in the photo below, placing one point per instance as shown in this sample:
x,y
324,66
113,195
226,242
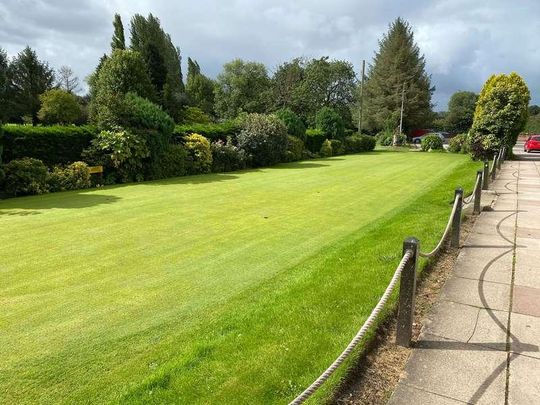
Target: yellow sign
x,y
96,169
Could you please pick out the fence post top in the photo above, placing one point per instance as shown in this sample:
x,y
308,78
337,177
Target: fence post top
x,y
479,172
411,243
459,190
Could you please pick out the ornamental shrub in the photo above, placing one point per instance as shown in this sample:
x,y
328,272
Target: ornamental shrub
x,y
459,144
386,138
294,124
199,154
264,138
432,142
26,176
139,112
295,149
213,132
226,157
330,123
59,107
338,147
326,149
173,161
483,146
314,139
194,115
359,143
75,176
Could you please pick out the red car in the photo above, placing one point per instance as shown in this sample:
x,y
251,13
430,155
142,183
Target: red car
x,y
532,143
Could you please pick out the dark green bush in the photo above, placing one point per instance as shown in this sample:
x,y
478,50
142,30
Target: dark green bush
x,y
326,149
53,145
26,176
226,157
264,138
213,132
294,124
75,176
330,123
138,112
359,143
338,147
386,138
314,139
432,142
173,161
199,154
295,149
458,144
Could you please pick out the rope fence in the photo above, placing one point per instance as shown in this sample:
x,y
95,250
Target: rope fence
x,y
406,274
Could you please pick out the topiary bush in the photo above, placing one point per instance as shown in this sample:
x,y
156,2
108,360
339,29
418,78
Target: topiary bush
x,y
75,176
294,124
226,157
295,149
330,123
264,138
459,144
326,149
199,154
338,147
432,142
314,139
359,143
25,176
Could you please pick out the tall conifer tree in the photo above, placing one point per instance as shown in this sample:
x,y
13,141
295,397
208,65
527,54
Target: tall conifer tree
x,y
118,39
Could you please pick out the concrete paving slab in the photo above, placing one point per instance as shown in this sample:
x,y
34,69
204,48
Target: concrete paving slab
x,y
482,294
524,384
485,264
526,300
525,338
527,267
406,395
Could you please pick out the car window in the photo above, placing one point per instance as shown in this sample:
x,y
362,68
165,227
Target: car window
x,y
536,138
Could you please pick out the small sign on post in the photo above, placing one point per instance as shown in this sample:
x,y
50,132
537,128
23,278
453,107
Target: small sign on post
x,y
96,169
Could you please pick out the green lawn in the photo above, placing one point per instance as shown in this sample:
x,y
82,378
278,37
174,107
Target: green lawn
x,y
225,288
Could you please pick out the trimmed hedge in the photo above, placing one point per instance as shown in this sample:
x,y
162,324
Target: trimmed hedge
x,y
53,145
314,140
359,143
213,132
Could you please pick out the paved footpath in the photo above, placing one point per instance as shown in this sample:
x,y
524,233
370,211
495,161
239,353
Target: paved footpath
x,y
481,342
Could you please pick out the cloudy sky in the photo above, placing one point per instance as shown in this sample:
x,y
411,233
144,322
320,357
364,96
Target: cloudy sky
x,y
464,41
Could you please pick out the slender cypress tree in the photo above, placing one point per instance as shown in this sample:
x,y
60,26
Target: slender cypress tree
x,y
118,39
199,88
398,63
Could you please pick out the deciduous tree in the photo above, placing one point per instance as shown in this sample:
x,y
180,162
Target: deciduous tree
x,y
461,111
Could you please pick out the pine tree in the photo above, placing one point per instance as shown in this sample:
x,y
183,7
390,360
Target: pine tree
x,y
398,63
29,77
118,39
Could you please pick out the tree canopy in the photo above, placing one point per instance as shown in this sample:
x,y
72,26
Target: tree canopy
x,y
461,111
199,88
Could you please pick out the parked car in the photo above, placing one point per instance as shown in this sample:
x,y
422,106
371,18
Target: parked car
x,y
443,135
532,143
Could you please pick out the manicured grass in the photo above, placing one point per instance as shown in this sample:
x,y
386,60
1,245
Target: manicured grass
x,y
228,288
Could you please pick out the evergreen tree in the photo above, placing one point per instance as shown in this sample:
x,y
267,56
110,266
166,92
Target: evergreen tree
x,y
29,77
199,88
4,99
156,67
118,39
396,65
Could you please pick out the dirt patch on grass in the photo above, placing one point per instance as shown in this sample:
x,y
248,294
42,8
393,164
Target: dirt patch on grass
x,y
377,373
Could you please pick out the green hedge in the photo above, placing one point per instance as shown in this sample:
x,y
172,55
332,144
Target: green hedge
x,y
314,140
213,132
53,145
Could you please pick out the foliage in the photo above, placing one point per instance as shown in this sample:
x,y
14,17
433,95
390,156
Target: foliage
x,y
294,124
120,151
501,111
25,176
483,146
118,40
359,143
397,63
173,161
533,124
226,157
432,142
29,77
386,138
338,146
121,73
194,115
138,112
459,144
213,132
4,87
59,107
199,88
199,154
53,145
75,176
241,87
314,139
326,149
330,123
461,111
295,149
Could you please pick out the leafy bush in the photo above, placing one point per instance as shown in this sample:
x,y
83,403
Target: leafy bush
x,y
326,149
295,149
314,140
199,154
213,132
386,138
139,112
26,176
226,157
173,161
458,144
59,107
330,123
120,151
432,142
483,146
75,176
194,115
53,145
294,124
359,143
338,147
264,138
